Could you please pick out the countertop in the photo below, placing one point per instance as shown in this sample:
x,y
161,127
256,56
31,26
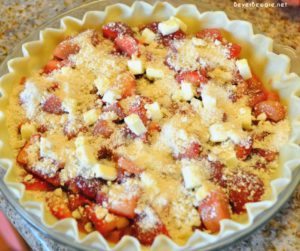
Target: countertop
x,y
19,17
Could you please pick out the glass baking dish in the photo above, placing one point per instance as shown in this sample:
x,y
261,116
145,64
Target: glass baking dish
x,y
78,12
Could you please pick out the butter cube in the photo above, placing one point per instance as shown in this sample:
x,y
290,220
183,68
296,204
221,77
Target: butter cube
x,y
168,27
148,36
181,24
201,193
105,170
196,105
218,133
153,73
102,84
69,105
91,116
135,124
191,176
244,68
208,100
245,117
148,180
199,42
27,130
111,96
135,66
153,111
187,90
84,152
177,95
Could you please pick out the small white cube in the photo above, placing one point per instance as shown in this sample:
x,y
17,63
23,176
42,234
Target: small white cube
x,y
148,36
153,111
218,133
84,152
201,193
105,170
244,68
148,180
27,130
168,27
69,105
208,100
153,73
187,90
197,105
191,176
181,24
102,84
135,66
111,96
245,117
91,116
135,124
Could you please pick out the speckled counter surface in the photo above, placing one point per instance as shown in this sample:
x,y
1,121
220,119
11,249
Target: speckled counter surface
x,y
20,17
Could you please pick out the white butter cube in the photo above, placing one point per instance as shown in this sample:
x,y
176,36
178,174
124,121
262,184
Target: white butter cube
x,y
105,170
244,68
153,73
218,133
245,117
69,105
234,136
177,95
148,36
91,116
102,84
208,100
148,180
27,130
201,193
153,111
199,42
196,105
109,116
135,124
181,24
168,27
191,176
187,90
46,148
135,66
111,96
84,152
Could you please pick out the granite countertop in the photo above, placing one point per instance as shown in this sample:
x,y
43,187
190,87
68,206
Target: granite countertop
x,y
18,18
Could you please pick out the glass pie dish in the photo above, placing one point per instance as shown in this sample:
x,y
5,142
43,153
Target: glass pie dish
x,y
200,240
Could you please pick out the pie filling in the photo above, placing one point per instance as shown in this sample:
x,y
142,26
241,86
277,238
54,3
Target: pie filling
x,y
147,130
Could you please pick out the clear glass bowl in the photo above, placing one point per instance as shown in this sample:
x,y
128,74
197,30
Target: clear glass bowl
x,y
78,12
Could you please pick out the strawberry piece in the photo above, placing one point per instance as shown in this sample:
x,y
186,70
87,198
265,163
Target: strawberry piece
x,y
273,109
129,166
77,200
88,188
42,129
64,49
101,198
194,77
123,206
127,84
22,80
37,184
244,187
52,65
217,173
151,26
213,209
114,29
192,152
267,154
115,236
272,95
210,33
102,128
167,39
243,151
147,236
126,45
52,105
138,107
234,50
257,97
22,158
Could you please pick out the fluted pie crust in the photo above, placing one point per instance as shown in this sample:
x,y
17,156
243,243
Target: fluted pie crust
x,y
271,68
